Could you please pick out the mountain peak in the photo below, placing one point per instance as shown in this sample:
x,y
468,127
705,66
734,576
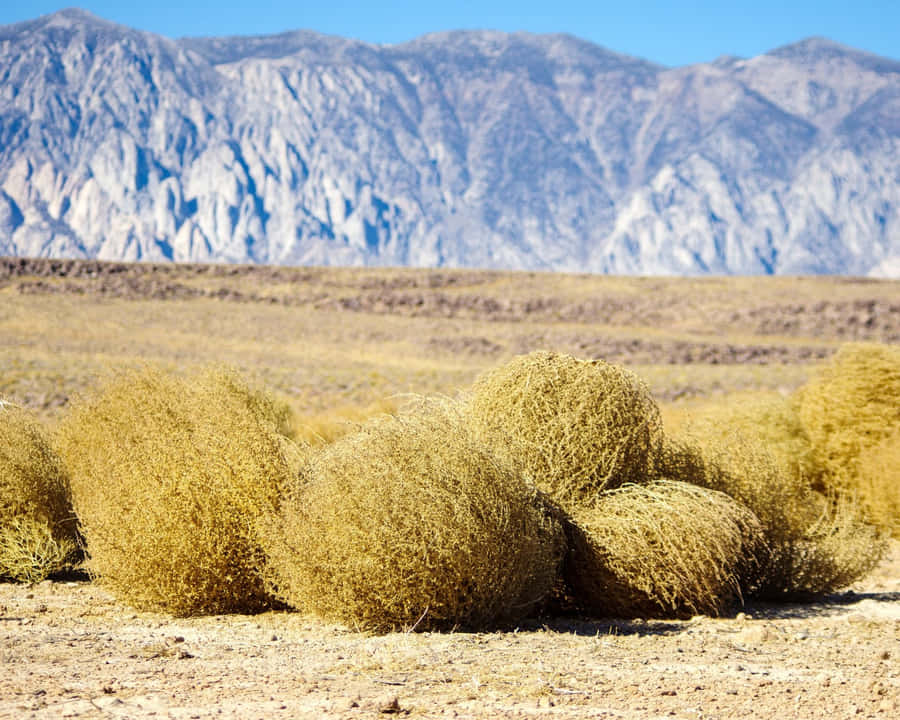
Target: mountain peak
x,y
811,47
73,17
64,23
560,48
819,49
75,13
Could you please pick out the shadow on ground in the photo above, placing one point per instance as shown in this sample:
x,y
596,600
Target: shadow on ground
x,y
824,606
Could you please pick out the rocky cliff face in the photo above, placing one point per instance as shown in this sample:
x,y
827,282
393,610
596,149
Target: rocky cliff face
x,y
466,149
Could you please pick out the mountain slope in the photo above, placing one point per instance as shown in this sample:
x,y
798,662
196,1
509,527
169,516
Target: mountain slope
x,y
464,148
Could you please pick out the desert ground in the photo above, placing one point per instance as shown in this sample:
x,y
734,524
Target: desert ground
x,y
69,650
338,343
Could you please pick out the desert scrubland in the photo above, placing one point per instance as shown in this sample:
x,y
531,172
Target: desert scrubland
x,y
717,564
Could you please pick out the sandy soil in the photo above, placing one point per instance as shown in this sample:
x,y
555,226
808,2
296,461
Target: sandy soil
x,y
68,649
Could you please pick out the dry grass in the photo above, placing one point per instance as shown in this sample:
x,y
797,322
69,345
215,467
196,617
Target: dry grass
x,y
573,427
668,549
37,524
30,550
168,477
852,404
769,420
878,482
326,427
816,543
410,523
52,345
426,331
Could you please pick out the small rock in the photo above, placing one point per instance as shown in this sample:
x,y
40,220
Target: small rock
x,y
105,702
388,705
755,634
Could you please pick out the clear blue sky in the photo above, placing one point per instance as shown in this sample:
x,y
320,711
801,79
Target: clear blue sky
x,y
672,33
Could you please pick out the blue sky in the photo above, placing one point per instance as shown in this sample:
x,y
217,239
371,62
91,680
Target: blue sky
x,y
671,33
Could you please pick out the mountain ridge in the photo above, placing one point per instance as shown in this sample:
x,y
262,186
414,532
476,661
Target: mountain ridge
x,y
464,148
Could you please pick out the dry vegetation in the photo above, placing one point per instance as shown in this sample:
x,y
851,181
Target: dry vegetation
x,y
766,419
409,522
37,524
668,549
572,427
878,482
325,427
168,475
851,405
816,543
198,492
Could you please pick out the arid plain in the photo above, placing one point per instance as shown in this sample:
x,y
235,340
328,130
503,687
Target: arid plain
x,y
338,344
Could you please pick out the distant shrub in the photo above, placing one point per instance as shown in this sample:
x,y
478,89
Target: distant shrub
x,y
878,482
816,543
572,427
259,401
410,523
852,404
769,420
169,475
37,523
326,427
668,549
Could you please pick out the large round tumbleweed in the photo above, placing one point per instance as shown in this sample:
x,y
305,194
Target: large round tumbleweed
x,y
573,427
169,475
409,523
816,543
668,549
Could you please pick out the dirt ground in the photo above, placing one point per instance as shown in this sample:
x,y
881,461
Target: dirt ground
x,y
68,649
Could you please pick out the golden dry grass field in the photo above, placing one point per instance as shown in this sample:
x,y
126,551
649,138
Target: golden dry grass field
x,y
326,339
340,344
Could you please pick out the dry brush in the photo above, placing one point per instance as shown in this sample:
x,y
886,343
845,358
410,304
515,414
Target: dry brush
x,y
664,549
817,543
37,523
169,475
573,427
409,522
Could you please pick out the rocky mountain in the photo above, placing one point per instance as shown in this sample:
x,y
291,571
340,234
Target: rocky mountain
x,y
478,149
